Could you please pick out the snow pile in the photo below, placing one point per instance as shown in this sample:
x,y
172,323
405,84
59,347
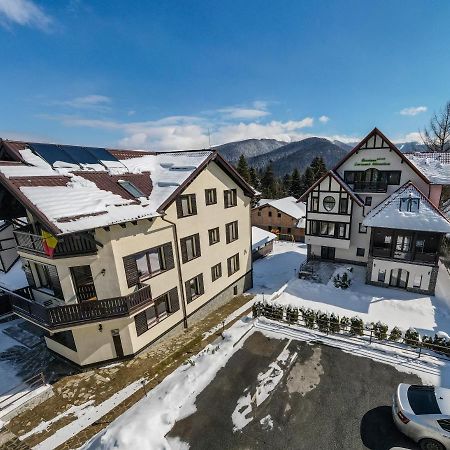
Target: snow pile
x,y
261,237
435,170
145,425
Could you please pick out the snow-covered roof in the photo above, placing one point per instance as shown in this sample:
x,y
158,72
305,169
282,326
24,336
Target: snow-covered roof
x,y
436,167
261,237
388,215
15,277
288,205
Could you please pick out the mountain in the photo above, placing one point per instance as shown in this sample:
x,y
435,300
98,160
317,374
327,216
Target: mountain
x,y
249,148
299,155
411,147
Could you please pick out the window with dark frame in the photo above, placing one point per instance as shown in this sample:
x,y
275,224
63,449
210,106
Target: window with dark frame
x,y
232,231
186,205
329,202
368,201
233,264
230,198
314,204
362,228
48,279
216,272
417,283
409,204
343,205
194,288
360,251
269,213
190,247
131,188
381,275
278,215
214,236
210,196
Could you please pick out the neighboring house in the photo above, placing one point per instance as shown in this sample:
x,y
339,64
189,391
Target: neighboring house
x,y
262,242
285,217
8,249
121,246
378,209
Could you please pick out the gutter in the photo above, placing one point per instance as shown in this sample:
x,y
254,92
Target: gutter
x,y
180,276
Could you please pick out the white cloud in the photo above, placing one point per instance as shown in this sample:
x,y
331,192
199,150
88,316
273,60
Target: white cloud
x,y
87,101
23,12
413,111
324,119
412,137
243,113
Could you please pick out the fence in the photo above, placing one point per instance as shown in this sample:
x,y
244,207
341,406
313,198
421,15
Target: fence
x,y
355,328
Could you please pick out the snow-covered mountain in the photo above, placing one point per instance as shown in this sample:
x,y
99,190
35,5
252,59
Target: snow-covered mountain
x,y
249,148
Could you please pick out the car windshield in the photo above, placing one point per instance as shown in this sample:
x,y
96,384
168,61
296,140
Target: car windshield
x,y
422,400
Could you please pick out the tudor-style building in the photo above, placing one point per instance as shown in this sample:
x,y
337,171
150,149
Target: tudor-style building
x,y
121,247
378,209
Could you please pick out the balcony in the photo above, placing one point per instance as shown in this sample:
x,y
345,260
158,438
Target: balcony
x,y
421,258
370,186
70,245
53,317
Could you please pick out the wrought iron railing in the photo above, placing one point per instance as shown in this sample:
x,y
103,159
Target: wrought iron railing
x,y
370,186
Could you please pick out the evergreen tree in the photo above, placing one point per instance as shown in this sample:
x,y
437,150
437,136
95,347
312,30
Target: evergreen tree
x,y
286,185
307,179
296,184
242,168
318,167
254,179
268,183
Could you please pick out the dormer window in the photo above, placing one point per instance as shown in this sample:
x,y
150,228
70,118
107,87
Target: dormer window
x,y
409,204
131,188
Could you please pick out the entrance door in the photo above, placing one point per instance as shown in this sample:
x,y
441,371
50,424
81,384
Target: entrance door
x,y
328,253
84,283
117,343
399,278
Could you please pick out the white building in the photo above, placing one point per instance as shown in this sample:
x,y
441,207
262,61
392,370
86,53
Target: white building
x,y
376,208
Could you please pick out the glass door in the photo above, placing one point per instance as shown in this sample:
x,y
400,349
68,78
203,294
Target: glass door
x,y
84,283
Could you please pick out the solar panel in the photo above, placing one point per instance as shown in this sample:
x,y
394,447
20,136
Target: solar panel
x,y
80,154
104,157
52,153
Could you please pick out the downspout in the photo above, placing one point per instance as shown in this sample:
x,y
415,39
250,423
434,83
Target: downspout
x,y
180,276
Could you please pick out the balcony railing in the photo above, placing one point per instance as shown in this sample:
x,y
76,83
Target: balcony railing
x,y
23,304
385,252
70,245
370,186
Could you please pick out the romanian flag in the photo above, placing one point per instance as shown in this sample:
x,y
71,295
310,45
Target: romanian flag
x,y
50,242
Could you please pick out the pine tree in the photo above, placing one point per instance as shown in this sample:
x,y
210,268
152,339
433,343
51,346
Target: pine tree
x,y
286,185
307,179
296,184
254,179
242,168
318,167
268,183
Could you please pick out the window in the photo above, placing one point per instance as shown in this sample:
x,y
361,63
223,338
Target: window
x,y
214,236
340,230
153,261
417,281
279,215
194,288
216,272
314,204
314,227
48,279
230,198
343,205
190,247
259,213
288,231
368,201
270,213
64,338
84,283
362,228
210,196
186,205
393,177
329,202
231,231
327,228
233,264
163,306
131,188
360,251
409,204
381,275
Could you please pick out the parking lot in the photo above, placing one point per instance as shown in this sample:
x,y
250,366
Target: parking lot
x,y
282,394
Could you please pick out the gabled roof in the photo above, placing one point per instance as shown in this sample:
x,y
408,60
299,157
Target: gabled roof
x,y
261,237
334,175
69,198
287,205
388,215
383,142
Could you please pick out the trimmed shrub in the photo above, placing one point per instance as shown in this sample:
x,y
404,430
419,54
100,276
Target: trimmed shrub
x,y
427,341
412,337
323,322
396,334
291,315
345,323
309,317
356,326
335,326
380,331
277,312
257,309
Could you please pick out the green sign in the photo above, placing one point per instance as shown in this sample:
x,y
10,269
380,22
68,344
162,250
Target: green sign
x,y
373,162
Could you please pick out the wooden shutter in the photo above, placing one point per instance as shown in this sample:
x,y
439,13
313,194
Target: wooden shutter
x,y
194,204
179,208
187,286
225,199
131,270
184,256
198,251
236,224
229,266
200,284
168,256
29,275
237,262
174,300
56,284
140,321
227,232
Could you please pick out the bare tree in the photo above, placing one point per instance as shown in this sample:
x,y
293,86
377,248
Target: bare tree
x,y
437,136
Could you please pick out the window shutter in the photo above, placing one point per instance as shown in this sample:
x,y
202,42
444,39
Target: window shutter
x,y
200,284
140,321
168,256
225,199
56,284
237,229
174,300
237,262
227,232
198,251
179,208
187,285
229,266
131,270
194,204
184,256
29,275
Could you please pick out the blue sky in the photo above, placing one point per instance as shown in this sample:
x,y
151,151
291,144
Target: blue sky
x,y
165,74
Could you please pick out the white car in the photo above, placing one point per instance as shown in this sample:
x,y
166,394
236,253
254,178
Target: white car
x,y
423,414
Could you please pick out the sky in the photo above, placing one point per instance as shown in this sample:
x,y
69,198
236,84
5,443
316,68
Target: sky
x,y
171,75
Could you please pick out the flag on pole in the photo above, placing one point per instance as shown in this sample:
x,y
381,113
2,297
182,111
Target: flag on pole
x,y
50,242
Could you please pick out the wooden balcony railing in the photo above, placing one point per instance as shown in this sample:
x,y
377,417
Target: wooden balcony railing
x,y
70,245
23,304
